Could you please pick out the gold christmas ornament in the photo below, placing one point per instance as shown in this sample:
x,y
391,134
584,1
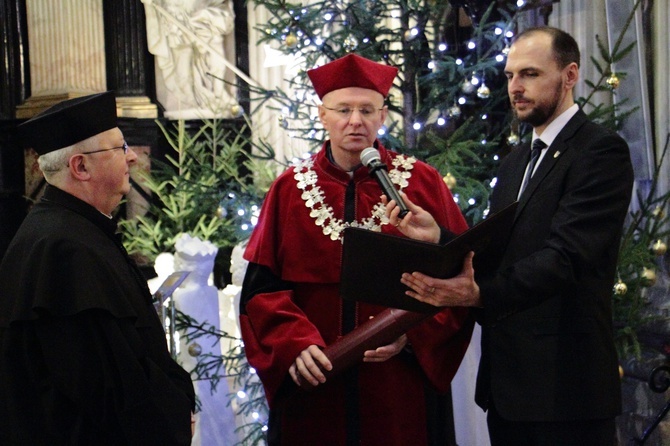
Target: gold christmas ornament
x,y
513,139
621,372
454,111
483,91
613,81
194,350
658,213
449,180
221,212
659,248
350,44
467,87
291,40
649,276
620,288
236,111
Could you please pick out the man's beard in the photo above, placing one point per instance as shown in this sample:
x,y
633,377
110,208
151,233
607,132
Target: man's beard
x,y
541,113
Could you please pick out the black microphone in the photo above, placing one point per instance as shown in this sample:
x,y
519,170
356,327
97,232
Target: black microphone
x,y
370,158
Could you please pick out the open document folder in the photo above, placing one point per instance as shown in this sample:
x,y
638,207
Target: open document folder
x,y
373,262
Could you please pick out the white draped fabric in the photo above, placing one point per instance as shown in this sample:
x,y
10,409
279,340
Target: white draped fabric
x,y
270,72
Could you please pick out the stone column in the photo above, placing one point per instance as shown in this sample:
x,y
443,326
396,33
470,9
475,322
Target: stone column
x,y
67,52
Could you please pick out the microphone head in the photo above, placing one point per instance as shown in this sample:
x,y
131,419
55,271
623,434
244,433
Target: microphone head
x,y
370,155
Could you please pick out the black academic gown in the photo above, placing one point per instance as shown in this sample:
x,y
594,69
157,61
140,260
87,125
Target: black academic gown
x,y
83,357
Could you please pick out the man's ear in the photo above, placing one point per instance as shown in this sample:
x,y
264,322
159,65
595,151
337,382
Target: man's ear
x,y
77,167
322,116
571,75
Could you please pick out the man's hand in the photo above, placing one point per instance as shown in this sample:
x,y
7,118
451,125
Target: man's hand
x,y
417,224
381,354
459,291
308,365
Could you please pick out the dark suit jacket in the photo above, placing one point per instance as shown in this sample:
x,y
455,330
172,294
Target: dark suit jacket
x,y
547,337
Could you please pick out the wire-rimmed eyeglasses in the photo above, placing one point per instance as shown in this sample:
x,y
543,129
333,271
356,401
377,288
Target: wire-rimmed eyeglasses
x,y
124,147
367,112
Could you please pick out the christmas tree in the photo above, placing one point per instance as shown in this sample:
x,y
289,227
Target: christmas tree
x,y
448,105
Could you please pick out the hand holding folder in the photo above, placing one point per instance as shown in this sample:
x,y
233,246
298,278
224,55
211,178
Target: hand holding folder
x,y
372,264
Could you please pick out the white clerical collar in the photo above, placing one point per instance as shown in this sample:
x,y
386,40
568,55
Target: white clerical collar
x,y
555,127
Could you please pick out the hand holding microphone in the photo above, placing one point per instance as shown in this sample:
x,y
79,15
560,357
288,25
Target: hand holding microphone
x,y
371,159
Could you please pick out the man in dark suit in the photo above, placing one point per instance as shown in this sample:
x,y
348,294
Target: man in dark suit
x,y
548,373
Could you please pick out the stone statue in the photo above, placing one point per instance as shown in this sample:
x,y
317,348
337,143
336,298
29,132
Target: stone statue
x,y
187,39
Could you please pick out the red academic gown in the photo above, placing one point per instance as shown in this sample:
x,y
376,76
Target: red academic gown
x,y
375,403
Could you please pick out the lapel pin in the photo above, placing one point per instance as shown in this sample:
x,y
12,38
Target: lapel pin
x,y
556,154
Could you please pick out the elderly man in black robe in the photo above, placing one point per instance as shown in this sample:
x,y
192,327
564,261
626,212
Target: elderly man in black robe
x,y
83,355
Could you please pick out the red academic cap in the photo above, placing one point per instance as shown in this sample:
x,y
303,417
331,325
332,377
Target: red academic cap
x,y
69,122
352,70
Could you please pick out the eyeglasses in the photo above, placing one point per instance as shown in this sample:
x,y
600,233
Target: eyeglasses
x,y
124,147
367,112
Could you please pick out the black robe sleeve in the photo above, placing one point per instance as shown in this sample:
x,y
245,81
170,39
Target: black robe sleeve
x,y
99,383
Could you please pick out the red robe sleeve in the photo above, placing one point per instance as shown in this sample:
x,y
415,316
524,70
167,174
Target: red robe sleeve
x,y
279,332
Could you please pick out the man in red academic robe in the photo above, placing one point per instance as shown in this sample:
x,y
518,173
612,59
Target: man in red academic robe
x,y
291,309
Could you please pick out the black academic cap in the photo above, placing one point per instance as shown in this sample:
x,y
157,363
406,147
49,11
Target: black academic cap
x,y
69,122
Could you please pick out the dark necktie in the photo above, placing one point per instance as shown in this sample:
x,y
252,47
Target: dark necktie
x,y
535,151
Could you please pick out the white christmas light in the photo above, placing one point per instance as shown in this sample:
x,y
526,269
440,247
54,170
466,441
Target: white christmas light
x,y
471,201
520,3
252,371
471,45
462,100
417,126
241,394
431,65
509,34
264,428
485,116
493,182
244,227
459,61
255,415
381,131
498,31
474,80
442,47
441,121
328,16
500,58
483,141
